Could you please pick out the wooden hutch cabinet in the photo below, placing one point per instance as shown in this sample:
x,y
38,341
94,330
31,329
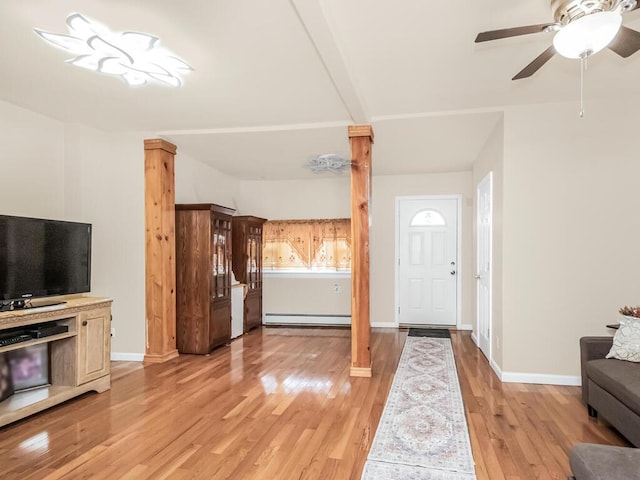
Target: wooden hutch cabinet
x,y
203,277
247,265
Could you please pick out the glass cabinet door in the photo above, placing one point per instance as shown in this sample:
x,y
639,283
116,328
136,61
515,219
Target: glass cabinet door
x,y
254,258
221,258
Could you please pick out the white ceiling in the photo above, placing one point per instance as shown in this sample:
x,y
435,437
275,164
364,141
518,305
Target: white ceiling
x,y
276,82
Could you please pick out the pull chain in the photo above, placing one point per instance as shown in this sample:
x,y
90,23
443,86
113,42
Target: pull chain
x,y
583,67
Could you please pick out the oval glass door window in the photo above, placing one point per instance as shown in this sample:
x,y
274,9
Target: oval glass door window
x,y
428,218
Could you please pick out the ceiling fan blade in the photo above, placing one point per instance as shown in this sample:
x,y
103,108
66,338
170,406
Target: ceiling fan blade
x,y
534,66
512,32
626,43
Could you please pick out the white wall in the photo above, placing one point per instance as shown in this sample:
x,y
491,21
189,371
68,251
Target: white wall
x,y
313,296
72,172
80,174
571,229
105,186
322,197
570,218
383,235
58,171
491,159
32,166
330,198
197,182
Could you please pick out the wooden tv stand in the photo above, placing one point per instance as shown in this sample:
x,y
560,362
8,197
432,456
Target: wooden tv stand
x,y
79,359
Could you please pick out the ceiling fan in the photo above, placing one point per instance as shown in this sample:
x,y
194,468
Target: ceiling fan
x,y
583,27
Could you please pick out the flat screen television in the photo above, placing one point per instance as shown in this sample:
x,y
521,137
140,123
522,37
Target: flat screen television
x,y
41,258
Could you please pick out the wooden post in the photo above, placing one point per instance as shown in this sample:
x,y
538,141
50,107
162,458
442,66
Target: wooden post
x,y
361,139
160,263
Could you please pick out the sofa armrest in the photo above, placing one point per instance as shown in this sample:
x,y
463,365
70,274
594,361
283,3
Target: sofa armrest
x,y
591,348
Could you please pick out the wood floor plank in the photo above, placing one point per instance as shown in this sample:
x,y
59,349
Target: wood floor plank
x,y
278,404
535,425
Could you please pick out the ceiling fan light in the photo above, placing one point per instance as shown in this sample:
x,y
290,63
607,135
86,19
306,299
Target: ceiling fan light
x,y
587,35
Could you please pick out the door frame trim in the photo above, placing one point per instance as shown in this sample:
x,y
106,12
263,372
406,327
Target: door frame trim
x,y
488,178
459,262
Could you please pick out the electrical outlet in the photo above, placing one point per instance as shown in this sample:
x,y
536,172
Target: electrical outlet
x,y
337,288
113,332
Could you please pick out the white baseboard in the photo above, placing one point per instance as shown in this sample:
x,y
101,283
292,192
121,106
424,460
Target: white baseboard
x,y
496,368
465,326
475,339
294,319
127,357
541,378
318,320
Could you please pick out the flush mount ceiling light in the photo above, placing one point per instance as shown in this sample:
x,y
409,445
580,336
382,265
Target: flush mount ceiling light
x,y
136,57
587,35
329,162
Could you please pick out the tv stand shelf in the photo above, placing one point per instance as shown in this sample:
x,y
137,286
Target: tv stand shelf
x,y
37,341
79,359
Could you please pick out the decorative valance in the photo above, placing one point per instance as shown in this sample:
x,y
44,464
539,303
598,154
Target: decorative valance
x,y
307,244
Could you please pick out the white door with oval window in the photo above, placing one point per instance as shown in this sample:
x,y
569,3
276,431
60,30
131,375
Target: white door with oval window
x,y
427,261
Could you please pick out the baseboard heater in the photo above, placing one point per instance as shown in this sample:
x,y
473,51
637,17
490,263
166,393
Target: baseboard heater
x,y
302,319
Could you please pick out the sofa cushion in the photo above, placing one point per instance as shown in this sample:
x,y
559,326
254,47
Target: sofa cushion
x,y
621,379
604,462
626,341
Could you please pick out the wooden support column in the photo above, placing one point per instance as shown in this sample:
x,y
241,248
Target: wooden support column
x,y
160,263
361,139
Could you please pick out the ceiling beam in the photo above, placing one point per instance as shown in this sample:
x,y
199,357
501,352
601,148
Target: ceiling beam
x,y
315,22
257,129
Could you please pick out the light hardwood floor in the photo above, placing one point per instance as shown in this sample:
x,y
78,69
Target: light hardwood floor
x,y
279,404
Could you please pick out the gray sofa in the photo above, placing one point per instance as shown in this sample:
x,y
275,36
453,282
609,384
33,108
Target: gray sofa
x,y
604,462
611,390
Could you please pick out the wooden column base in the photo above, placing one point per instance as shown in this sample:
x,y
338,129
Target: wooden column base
x,y
150,359
360,372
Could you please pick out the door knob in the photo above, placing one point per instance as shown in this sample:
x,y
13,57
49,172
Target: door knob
x,y
453,272
477,277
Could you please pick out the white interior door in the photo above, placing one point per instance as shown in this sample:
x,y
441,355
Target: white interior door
x,y
483,268
427,261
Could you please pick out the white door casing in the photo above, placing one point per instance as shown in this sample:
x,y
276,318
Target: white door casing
x,y
484,262
427,260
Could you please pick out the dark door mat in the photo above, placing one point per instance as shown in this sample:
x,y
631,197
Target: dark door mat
x,y
429,332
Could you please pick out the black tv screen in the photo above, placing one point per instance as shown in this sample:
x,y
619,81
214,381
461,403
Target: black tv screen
x,y
40,258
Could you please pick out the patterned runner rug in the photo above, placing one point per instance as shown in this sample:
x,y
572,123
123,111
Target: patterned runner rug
x,y
423,432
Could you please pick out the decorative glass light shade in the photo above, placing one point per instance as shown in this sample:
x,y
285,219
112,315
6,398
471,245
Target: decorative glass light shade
x,y
136,57
587,35
329,162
